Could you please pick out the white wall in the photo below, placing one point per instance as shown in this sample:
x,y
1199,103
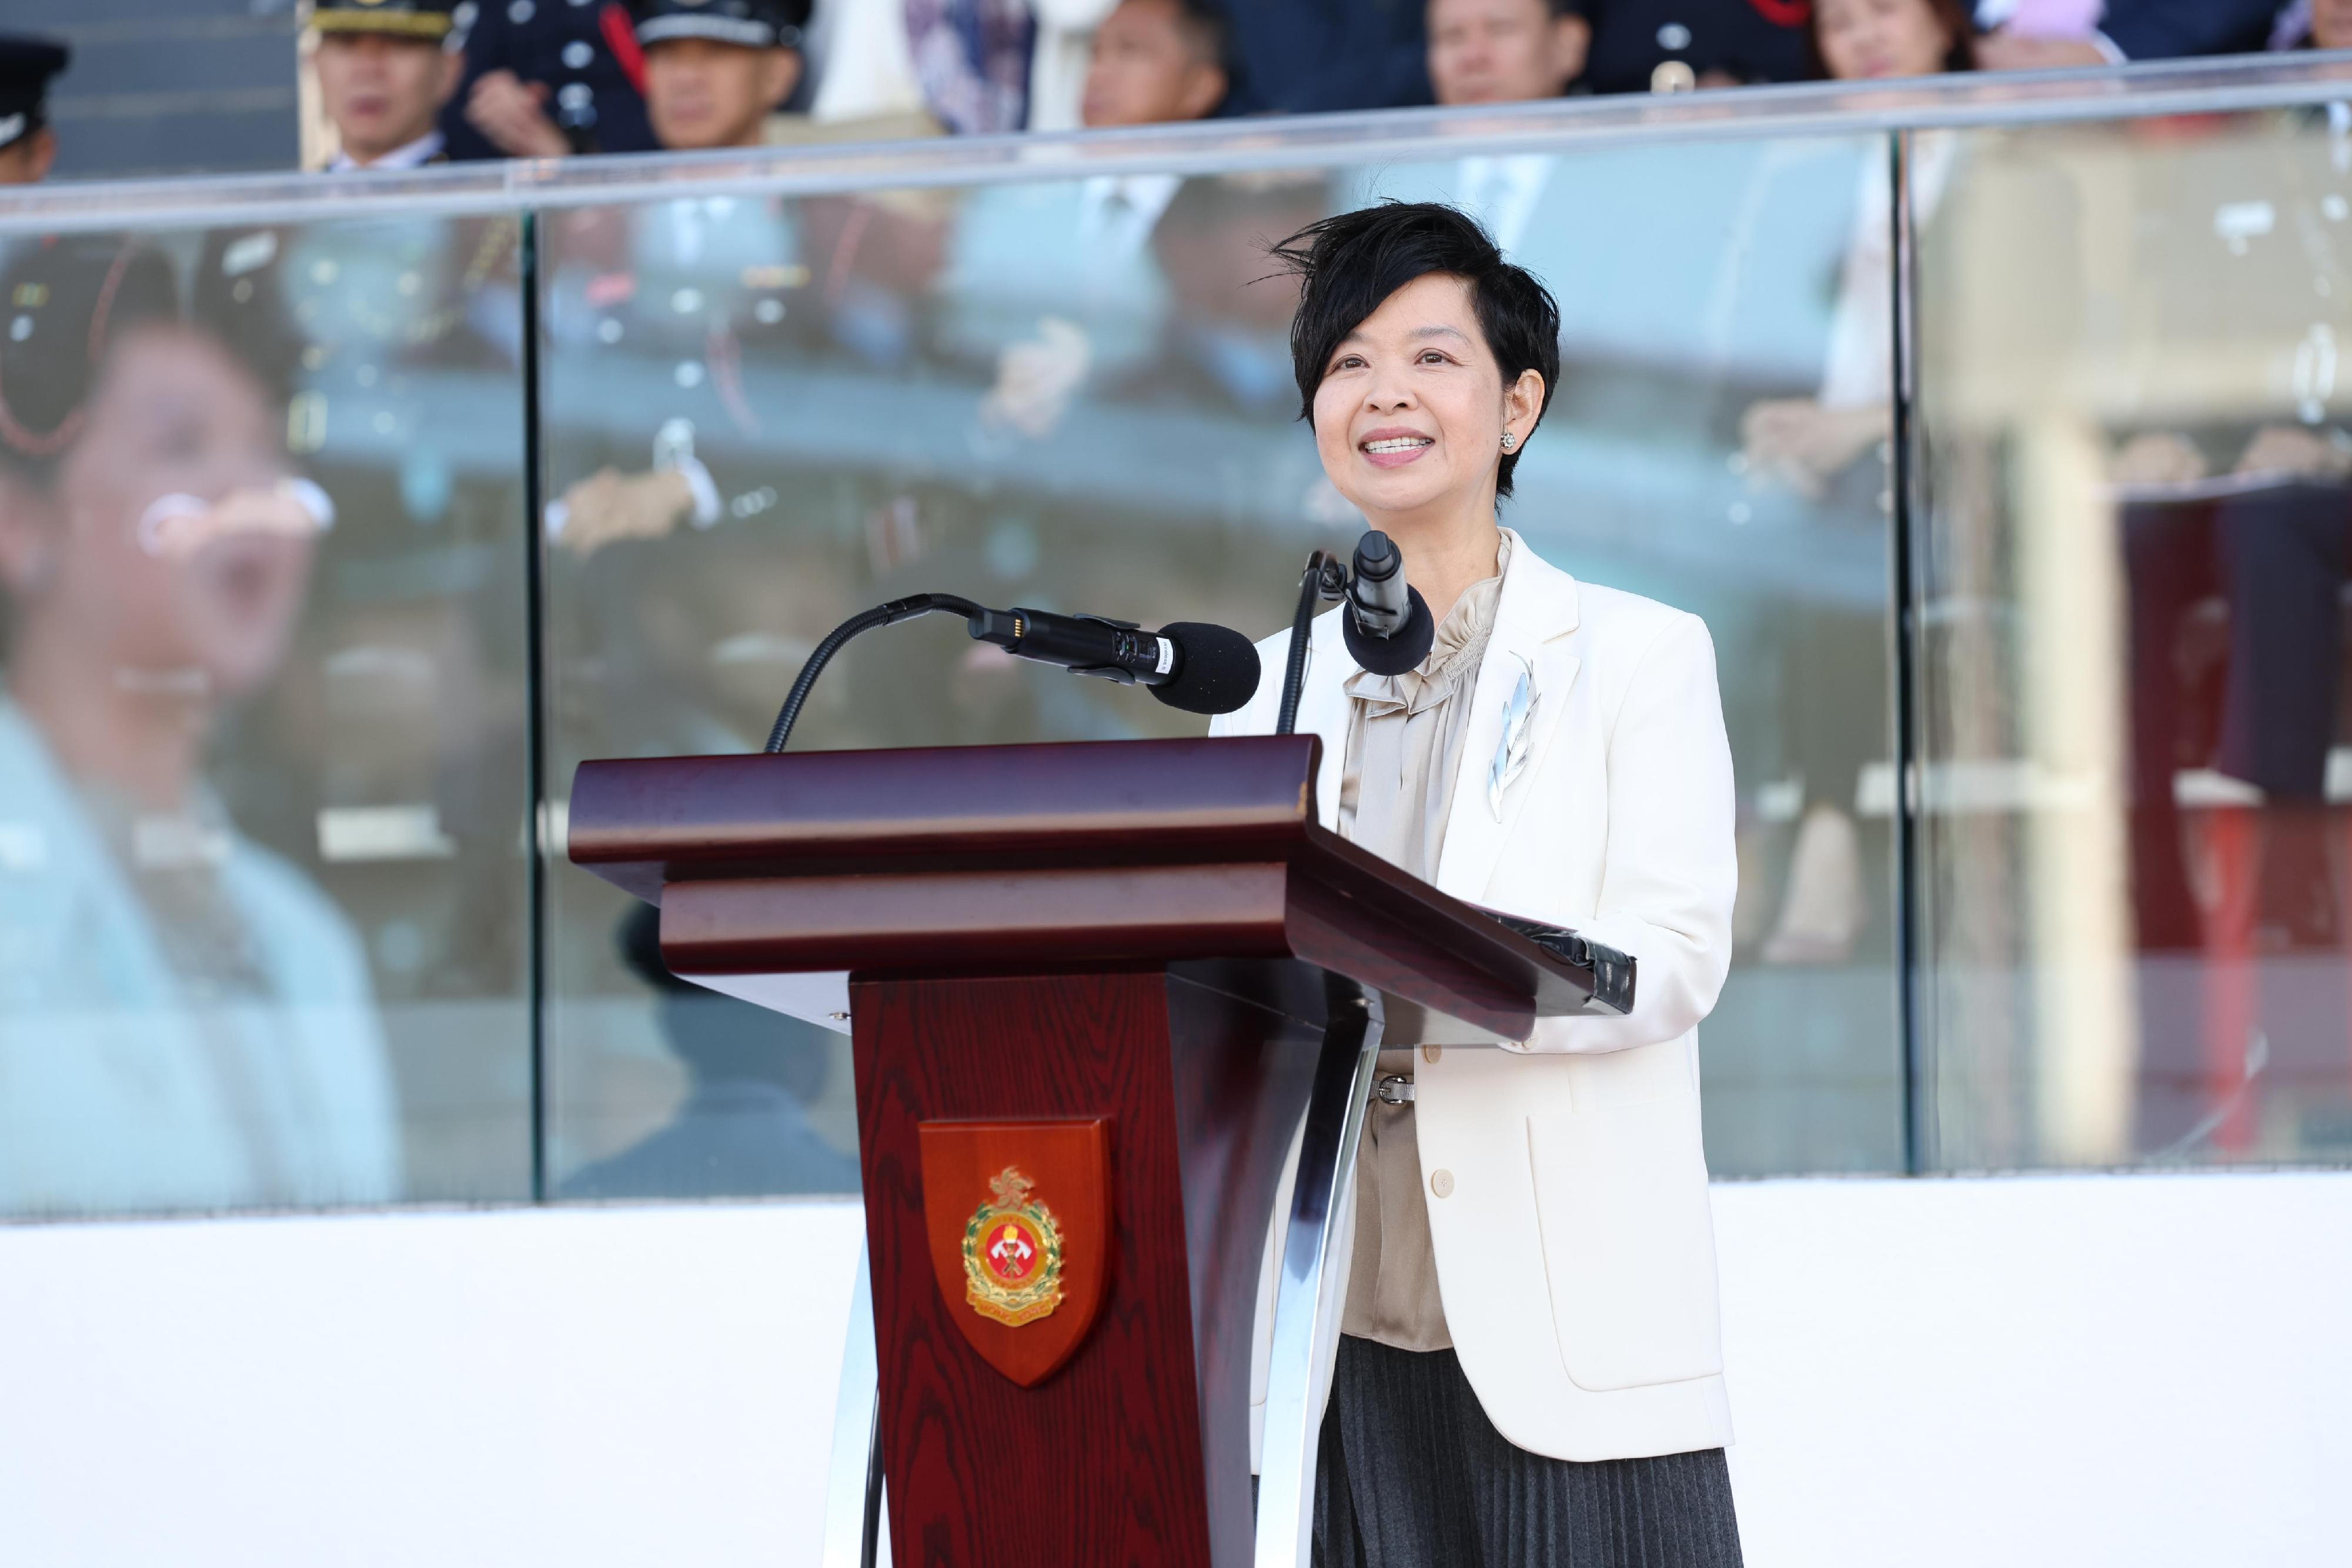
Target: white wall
x,y
2069,1372
2153,1371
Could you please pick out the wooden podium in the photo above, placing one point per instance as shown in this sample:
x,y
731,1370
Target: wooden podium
x,y
1093,990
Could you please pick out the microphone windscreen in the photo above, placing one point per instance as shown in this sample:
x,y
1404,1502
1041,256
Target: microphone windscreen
x,y
1395,654
1217,672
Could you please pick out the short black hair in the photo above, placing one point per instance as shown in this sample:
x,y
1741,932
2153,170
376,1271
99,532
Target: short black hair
x,y
1349,265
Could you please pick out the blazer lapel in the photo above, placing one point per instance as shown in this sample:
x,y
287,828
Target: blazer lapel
x,y
1532,619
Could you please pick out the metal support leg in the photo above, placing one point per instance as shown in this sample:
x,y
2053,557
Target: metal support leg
x,y
1307,1292
852,1495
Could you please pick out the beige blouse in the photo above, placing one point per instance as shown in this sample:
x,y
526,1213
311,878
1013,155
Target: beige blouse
x,y
1396,790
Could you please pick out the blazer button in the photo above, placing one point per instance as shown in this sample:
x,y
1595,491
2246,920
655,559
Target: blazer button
x,y
1431,1052
1441,1182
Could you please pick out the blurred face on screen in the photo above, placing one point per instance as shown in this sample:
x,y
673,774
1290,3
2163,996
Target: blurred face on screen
x,y
1870,40
1503,51
1151,64
383,92
700,93
171,540
1410,413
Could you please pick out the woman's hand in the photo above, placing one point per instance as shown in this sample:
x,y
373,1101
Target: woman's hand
x,y
2293,452
2156,458
512,113
609,505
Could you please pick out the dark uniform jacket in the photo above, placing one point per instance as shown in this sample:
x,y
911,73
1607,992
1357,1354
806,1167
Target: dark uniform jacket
x,y
565,43
1304,56
1750,40
2176,29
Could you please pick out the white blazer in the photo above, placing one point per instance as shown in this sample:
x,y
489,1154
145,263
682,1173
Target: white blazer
x,y
1575,1252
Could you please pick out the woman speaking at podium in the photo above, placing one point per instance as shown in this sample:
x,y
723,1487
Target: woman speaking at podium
x,y
1529,1373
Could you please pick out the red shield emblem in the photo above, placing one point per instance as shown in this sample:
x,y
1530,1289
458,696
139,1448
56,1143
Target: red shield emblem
x,y
1018,1215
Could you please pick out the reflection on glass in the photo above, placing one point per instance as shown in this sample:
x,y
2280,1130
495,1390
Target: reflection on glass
x,y
2132,645
763,415
193,982
188,1021
743,1125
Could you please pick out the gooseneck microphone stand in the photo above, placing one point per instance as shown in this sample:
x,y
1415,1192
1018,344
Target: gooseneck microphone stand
x,y
888,614
1325,578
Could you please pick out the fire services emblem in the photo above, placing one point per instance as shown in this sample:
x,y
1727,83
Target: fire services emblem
x,y
1013,1254
1022,1283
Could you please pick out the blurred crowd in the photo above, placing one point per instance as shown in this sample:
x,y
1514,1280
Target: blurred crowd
x,y
267,677
402,83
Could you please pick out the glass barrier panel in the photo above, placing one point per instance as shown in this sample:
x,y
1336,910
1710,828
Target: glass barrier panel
x,y
2132,562
765,414
262,700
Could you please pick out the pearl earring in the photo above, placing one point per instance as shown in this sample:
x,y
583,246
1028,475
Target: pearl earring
x,y
1509,441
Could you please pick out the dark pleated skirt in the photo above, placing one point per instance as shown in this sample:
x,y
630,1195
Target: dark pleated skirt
x,y
1412,1475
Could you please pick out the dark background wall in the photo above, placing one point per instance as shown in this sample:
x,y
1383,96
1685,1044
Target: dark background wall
x,y
169,87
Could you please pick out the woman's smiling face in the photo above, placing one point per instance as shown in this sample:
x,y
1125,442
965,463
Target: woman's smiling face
x,y
1410,412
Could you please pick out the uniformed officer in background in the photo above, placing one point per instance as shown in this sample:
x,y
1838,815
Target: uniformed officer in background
x,y
1674,46
714,69
385,68
547,77
27,146
711,276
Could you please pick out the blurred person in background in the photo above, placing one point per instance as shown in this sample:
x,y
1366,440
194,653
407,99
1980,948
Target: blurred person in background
x,y
714,69
1877,40
869,68
186,1020
927,68
1834,700
1506,51
1153,61
1499,51
1808,442
1674,46
1308,57
864,65
743,1129
714,72
2126,30
2315,25
2245,871
2235,529
1059,60
385,71
1225,342
1053,287
970,59
27,146
547,78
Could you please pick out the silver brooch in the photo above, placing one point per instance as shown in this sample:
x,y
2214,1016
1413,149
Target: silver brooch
x,y
1511,752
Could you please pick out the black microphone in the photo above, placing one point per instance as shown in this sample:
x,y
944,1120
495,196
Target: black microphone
x,y
1388,627
1189,664
1192,664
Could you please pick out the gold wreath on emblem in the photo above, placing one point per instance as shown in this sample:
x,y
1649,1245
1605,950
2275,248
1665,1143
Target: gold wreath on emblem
x,y
1013,1255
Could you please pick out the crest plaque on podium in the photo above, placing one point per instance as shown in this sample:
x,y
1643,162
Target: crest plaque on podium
x,y
1018,1215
